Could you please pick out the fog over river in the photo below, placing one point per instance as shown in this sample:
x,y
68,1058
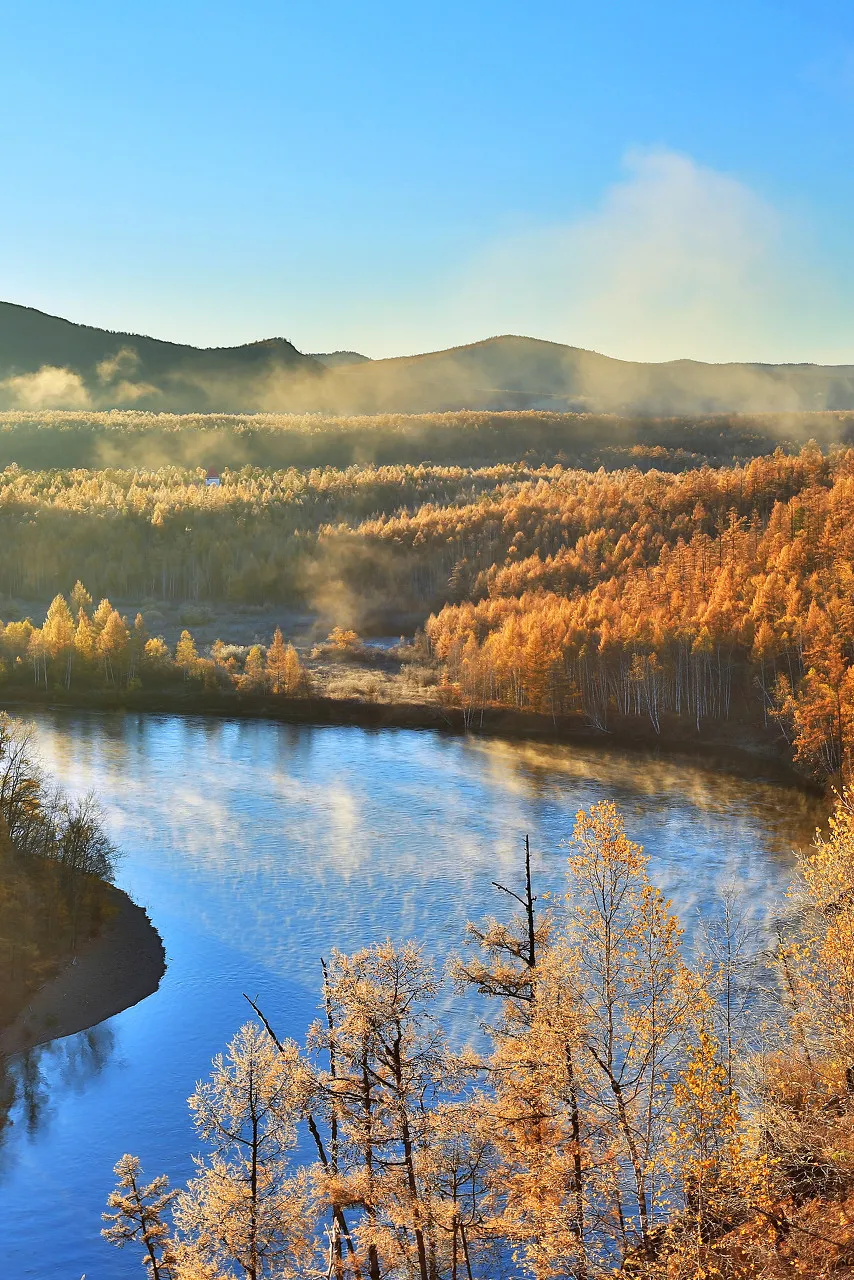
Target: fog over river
x,y
257,847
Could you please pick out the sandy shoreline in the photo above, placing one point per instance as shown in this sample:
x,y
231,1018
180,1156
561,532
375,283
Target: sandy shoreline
x,y
117,969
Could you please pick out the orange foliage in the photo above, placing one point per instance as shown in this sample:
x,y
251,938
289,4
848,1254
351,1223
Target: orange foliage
x,y
699,595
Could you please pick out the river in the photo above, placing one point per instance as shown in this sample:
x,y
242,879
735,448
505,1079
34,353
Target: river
x,y
257,847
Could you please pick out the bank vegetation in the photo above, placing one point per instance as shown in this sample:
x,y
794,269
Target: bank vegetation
x,y
56,863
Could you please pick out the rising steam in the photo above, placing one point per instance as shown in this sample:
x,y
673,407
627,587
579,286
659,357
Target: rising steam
x,y
49,388
678,261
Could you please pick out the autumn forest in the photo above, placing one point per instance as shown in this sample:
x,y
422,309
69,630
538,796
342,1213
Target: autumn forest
x,y
427,641
705,596
627,1093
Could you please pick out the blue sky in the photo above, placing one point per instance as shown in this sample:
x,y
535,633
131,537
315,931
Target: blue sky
x,y
651,180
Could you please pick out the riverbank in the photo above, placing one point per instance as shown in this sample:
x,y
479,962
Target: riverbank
x,y
734,746
122,965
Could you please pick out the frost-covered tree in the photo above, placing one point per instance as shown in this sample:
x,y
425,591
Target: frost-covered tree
x,y
137,1212
246,1213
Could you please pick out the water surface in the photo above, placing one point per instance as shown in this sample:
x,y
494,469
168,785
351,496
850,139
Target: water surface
x,y
256,847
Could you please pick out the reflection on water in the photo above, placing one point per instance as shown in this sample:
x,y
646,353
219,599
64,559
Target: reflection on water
x,y
30,1081
257,847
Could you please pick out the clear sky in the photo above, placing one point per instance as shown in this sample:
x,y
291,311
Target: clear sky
x,y
651,180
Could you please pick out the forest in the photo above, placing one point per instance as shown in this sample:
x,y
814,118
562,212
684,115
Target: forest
x,y
630,1107
698,597
712,596
427,640
127,438
56,862
621,1102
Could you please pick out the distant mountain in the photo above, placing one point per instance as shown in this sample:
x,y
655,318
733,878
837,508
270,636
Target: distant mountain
x,y
110,369
334,358
526,373
49,362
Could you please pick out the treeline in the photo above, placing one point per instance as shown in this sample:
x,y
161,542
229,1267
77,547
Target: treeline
x,y
419,534
81,647
731,595
55,862
129,438
258,537
707,595
631,1112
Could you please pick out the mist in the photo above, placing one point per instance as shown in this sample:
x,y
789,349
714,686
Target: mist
x,y
499,374
48,388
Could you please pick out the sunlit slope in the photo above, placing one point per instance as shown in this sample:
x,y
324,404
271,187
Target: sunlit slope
x,y
47,362
525,373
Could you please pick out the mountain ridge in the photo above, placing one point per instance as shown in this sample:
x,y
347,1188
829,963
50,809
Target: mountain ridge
x,y
49,362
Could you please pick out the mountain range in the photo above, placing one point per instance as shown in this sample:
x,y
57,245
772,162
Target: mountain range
x,y
48,362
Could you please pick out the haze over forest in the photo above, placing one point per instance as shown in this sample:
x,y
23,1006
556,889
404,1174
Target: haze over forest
x,y
50,363
427,631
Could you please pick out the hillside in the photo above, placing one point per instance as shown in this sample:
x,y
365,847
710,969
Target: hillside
x,y
47,362
526,373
